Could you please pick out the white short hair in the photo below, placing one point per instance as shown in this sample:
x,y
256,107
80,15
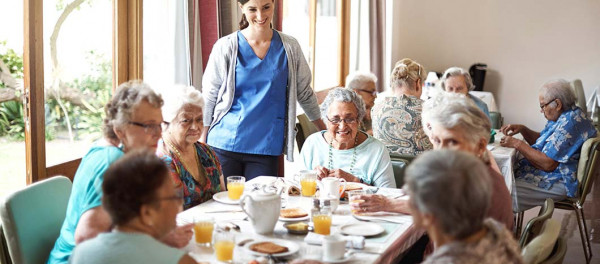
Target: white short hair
x,y
452,110
456,71
357,80
559,89
178,96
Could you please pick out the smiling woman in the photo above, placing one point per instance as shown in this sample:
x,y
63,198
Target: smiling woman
x,y
251,84
342,151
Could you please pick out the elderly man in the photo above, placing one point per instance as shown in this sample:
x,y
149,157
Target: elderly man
x,y
457,80
363,83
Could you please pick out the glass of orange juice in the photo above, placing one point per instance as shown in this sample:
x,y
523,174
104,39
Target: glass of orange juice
x,y
322,223
235,187
224,242
308,182
354,199
203,230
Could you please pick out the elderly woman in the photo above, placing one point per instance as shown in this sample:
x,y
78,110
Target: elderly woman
x,y
454,122
252,82
397,119
133,118
342,150
547,168
450,199
193,166
457,80
363,83
142,203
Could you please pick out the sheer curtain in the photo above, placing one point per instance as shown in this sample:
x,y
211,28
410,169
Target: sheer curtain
x,y
167,59
367,28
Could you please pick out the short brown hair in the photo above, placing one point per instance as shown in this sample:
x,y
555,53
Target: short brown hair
x,y
131,182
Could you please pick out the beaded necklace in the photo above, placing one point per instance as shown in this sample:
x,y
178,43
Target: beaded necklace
x,y
200,179
330,157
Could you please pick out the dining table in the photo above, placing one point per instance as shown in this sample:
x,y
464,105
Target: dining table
x,y
505,157
398,235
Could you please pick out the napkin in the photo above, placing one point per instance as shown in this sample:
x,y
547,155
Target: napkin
x,y
357,242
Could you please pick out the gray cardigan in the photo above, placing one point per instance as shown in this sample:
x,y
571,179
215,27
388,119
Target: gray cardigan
x,y
218,85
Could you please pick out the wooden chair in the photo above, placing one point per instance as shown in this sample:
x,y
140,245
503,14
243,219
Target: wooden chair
x,y
304,129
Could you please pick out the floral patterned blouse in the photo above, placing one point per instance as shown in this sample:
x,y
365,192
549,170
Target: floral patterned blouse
x,y
561,140
193,192
397,123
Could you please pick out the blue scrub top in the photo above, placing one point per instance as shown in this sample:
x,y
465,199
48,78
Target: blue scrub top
x,y
255,123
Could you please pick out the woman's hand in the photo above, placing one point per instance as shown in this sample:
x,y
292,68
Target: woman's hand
x,y
339,173
322,172
372,203
179,237
511,130
509,142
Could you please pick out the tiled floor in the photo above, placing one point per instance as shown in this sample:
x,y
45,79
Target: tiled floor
x,y
570,229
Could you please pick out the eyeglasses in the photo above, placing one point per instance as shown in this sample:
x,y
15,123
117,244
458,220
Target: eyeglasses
x,y
374,93
153,129
544,105
177,197
336,121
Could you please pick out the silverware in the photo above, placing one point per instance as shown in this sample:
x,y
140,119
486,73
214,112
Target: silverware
x,y
244,242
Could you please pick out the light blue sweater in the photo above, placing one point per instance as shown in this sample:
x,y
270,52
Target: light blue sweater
x,y
373,164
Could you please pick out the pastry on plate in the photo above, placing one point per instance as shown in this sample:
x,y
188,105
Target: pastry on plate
x,y
268,248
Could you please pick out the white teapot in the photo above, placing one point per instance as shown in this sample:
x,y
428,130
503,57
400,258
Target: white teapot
x,y
330,186
263,208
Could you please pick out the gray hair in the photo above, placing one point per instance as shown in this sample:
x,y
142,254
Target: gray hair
x,y
406,72
559,89
357,80
345,95
177,97
454,187
451,110
456,71
127,97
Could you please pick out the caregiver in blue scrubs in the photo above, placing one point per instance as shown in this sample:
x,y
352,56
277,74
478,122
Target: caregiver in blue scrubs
x,y
251,84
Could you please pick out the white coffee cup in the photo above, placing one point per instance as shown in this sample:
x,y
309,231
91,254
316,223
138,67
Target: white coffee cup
x,y
334,248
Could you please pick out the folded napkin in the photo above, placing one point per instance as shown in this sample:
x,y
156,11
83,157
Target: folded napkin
x,y
357,242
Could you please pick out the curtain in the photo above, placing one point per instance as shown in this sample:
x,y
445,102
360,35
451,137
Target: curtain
x,y
377,40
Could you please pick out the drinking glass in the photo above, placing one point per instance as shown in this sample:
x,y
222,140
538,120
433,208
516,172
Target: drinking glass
x,y
353,198
224,242
308,182
203,229
322,222
235,187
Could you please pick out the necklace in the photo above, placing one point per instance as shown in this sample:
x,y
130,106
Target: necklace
x,y
330,157
200,179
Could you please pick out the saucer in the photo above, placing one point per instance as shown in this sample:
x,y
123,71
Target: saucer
x,y
347,257
222,197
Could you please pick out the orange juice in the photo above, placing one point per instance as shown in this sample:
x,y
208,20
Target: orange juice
x,y
309,187
235,190
203,232
224,250
355,202
322,224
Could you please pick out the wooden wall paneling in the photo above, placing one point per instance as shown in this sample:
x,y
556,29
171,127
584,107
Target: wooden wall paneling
x,y
66,169
33,67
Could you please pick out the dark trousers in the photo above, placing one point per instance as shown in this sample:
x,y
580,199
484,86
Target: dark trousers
x,y
247,165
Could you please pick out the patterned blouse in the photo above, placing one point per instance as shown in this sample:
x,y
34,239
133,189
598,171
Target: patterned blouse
x,y
193,192
397,123
497,247
561,140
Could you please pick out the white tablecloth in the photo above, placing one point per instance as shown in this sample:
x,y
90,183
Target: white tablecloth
x,y
402,236
506,158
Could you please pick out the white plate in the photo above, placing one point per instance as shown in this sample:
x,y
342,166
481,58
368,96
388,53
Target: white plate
x,y
361,229
292,247
347,257
222,197
297,219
